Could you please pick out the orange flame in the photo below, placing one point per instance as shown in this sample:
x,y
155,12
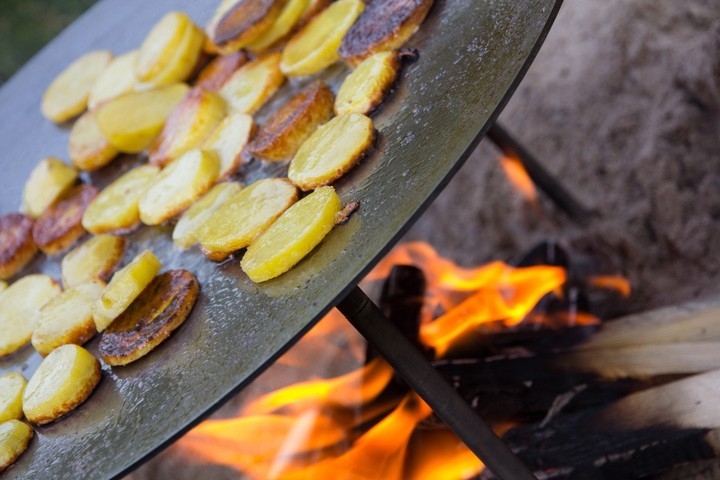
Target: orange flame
x,y
518,177
611,282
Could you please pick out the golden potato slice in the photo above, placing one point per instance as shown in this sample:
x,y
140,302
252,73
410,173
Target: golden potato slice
x,y
219,70
60,225
160,309
228,141
159,46
331,151
88,147
62,381
282,134
17,246
385,25
67,318
314,47
132,121
242,218
115,209
117,78
183,62
281,27
293,235
124,287
366,87
95,259
19,308
185,232
197,114
48,181
253,84
12,386
238,22
15,437
67,95
178,186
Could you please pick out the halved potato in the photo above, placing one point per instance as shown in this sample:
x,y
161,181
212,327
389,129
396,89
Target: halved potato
x,y
292,236
117,77
197,114
12,386
115,209
219,70
178,186
124,287
281,27
17,246
19,308
132,121
185,232
95,259
331,151
62,381
15,437
238,22
67,318
242,218
48,181
159,46
88,147
60,225
253,84
314,47
183,62
228,141
67,95
366,87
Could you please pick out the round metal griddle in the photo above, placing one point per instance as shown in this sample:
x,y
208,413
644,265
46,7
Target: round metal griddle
x,y
472,55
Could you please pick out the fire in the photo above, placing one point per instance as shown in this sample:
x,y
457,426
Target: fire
x,y
518,177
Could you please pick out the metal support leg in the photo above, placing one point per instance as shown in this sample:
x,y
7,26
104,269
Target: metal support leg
x,y
419,374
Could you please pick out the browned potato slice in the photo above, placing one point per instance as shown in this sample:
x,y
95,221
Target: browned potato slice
x,y
219,70
160,309
88,147
382,26
60,225
67,95
228,141
48,181
331,151
183,62
12,386
95,259
67,318
197,114
19,307
288,18
15,437
178,186
17,246
242,218
117,78
185,232
160,44
62,381
253,84
238,22
366,87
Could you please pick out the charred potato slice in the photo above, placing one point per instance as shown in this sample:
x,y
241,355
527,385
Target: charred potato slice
x,y
15,437
253,84
185,232
17,246
67,95
159,46
385,25
292,236
228,141
19,307
242,218
88,147
219,70
61,383
331,151
160,309
283,133
12,386
67,318
178,186
117,78
60,225
124,287
95,259
238,22
366,87
48,181
288,18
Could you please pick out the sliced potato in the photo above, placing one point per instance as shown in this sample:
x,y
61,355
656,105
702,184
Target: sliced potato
x,y
17,246
331,151
19,308
3,286
183,62
178,186
67,95
117,78
185,232
12,386
160,45
228,141
253,84
281,27
314,47
282,134
60,225
15,437
314,7
124,287
115,209
238,22
67,318
62,381
48,181
88,147
197,114
160,309
132,121
366,87
219,70
242,218
95,259
293,235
